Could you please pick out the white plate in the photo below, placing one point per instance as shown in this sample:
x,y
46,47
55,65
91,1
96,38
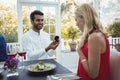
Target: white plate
x,y
51,65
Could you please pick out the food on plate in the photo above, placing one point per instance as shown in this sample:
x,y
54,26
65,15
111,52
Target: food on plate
x,y
41,66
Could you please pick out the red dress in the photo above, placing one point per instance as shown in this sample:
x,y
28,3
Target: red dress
x,y
104,63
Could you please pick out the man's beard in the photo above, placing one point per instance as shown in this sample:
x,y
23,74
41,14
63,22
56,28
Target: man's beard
x,y
36,26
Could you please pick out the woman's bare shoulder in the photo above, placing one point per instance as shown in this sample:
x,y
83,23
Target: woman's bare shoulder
x,y
95,36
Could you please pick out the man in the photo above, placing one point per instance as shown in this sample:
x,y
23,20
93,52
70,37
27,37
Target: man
x,y
3,54
36,42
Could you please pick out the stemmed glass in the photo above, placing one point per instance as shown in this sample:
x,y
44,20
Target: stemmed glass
x,y
15,51
11,51
22,55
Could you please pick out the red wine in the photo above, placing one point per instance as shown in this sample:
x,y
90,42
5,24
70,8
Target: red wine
x,y
22,54
11,55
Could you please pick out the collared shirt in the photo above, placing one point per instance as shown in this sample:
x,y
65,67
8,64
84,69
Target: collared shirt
x,y
3,54
34,44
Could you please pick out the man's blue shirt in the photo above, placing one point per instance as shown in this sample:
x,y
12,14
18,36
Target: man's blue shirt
x,y
3,55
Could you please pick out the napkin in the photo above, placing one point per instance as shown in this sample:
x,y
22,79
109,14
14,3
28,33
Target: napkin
x,y
69,76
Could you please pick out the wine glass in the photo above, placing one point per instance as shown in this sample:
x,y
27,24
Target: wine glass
x,y
11,51
22,54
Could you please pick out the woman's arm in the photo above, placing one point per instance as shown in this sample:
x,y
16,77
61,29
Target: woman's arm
x,y
92,65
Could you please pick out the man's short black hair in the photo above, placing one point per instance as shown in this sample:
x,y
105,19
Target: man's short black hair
x,y
36,12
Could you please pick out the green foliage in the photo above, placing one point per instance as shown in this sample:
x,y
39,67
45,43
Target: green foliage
x,y
52,30
25,20
73,33
8,25
114,29
64,33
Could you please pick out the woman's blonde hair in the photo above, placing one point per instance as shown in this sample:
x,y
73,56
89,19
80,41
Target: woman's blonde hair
x,y
92,22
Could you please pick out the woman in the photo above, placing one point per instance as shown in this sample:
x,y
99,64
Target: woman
x,y
93,48
3,54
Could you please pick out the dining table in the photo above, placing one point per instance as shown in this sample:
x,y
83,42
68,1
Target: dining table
x,y
25,74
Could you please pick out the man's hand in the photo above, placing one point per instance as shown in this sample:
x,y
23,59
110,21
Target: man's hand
x,y
53,45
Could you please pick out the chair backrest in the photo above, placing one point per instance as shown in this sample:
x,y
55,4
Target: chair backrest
x,y
114,65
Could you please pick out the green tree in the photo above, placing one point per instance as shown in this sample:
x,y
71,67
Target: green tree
x,y
8,24
67,18
114,29
73,33
64,32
